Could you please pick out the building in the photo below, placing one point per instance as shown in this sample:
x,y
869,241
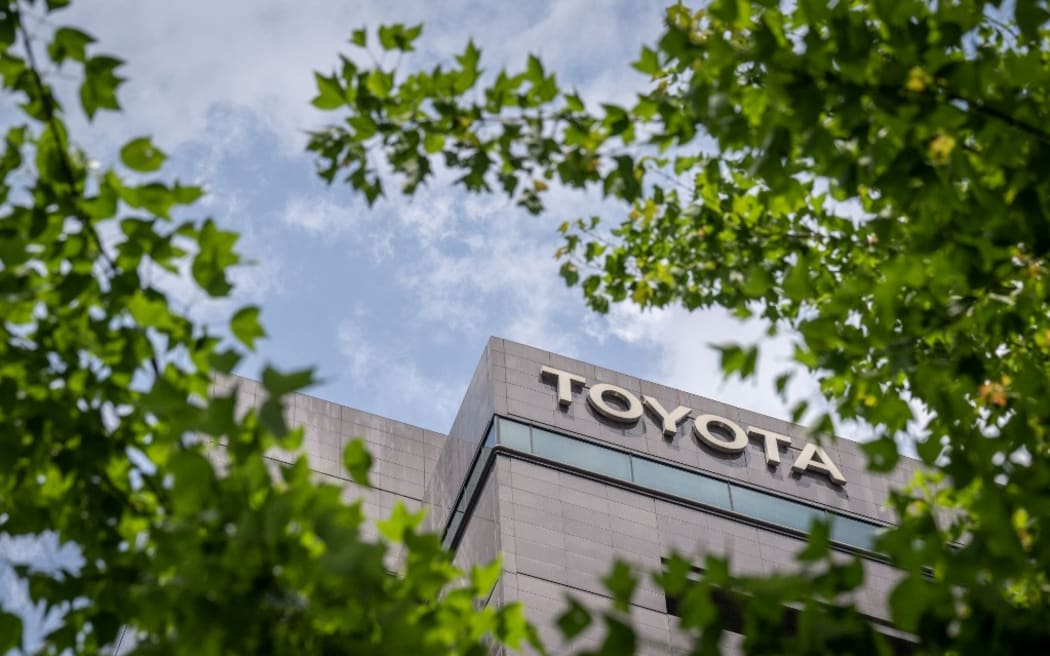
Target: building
x,y
562,466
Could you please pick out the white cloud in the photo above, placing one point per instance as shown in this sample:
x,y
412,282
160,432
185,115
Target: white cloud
x,y
389,378
317,214
185,58
485,266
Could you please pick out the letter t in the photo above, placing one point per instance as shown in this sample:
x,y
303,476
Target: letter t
x,y
565,381
772,442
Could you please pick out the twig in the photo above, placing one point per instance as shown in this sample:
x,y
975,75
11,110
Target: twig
x,y
50,113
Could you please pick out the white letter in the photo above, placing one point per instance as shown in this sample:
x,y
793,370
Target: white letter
x,y
670,419
816,459
596,397
565,381
772,442
702,424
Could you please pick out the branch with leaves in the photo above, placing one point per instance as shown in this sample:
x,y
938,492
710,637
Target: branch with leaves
x,y
107,416
870,180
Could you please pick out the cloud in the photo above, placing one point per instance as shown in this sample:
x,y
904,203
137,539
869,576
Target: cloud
x,y
389,379
317,214
186,58
218,76
464,267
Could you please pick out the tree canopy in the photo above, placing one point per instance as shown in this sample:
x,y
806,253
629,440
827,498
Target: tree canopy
x,y
106,417
867,177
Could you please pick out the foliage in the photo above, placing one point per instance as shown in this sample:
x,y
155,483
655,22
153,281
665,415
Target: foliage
x,y
106,420
868,176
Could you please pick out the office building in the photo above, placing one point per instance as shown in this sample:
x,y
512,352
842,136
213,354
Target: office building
x,y
562,466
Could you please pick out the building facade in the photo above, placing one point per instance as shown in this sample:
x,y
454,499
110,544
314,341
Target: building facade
x,y
561,467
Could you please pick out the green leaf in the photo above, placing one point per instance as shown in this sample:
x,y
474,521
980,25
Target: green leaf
x,y
10,631
400,524
187,194
278,384
818,543
214,258
224,361
574,620
781,381
469,71
621,583
882,454
648,62
141,155
379,83
483,578
99,89
909,601
620,639
1030,18
194,481
69,43
570,273
329,92
738,360
398,37
359,38
246,327
433,142
357,461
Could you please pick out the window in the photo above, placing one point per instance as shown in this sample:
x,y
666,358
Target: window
x,y
680,482
774,510
659,477
514,435
853,531
584,455
470,487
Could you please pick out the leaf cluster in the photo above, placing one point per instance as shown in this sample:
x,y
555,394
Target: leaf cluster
x,y
867,176
116,438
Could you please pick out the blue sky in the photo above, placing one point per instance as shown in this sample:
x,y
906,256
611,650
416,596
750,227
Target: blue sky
x,y
393,304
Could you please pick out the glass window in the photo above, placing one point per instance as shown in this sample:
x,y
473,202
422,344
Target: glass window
x,y
453,528
662,478
581,454
853,532
681,483
514,435
774,509
470,486
473,479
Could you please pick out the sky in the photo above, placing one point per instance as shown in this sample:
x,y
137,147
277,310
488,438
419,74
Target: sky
x,y
392,304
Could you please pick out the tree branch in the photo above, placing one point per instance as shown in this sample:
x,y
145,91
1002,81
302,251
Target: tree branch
x,y
51,118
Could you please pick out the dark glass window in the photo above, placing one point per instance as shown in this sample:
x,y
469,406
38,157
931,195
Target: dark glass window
x,y
660,477
854,532
581,454
453,528
681,483
466,495
514,435
774,510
